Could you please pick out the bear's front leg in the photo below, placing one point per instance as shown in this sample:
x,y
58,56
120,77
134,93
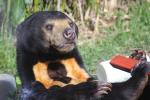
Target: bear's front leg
x,y
83,91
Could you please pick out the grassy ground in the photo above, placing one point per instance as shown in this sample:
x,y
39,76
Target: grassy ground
x,y
7,56
116,40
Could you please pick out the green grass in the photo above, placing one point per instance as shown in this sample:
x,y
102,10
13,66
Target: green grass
x,y
121,43
116,40
7,56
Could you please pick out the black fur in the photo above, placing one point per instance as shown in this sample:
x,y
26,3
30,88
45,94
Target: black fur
x,y
57,72
31,49
145,95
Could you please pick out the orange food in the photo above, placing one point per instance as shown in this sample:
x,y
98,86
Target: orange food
x,y
123,62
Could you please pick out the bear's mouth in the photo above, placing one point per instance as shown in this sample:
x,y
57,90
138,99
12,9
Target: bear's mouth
x,y
66,47
68,44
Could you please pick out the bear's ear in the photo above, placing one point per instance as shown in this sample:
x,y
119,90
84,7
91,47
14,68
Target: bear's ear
x,y
23,35
23,27
76,29
19,31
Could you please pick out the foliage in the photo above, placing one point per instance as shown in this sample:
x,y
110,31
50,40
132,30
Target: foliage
x,y
15,12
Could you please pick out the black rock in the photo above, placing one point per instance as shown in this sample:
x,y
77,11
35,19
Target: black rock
x,y
7,87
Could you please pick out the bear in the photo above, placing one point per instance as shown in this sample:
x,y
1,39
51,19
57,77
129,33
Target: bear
x,y
51,68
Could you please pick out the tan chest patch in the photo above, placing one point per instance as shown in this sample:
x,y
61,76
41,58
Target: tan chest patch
x,y
41,75
74,71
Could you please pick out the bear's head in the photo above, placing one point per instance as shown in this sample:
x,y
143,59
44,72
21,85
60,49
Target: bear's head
x,y
48,30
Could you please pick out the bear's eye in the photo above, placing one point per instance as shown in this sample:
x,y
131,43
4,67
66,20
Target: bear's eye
x,y
49,27
71,24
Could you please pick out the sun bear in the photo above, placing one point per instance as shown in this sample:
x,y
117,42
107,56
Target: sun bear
x,y
50,66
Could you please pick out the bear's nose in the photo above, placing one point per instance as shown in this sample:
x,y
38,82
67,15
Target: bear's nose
x,y
69,34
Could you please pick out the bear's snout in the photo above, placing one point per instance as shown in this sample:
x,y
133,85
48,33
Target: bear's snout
x,y
69,34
